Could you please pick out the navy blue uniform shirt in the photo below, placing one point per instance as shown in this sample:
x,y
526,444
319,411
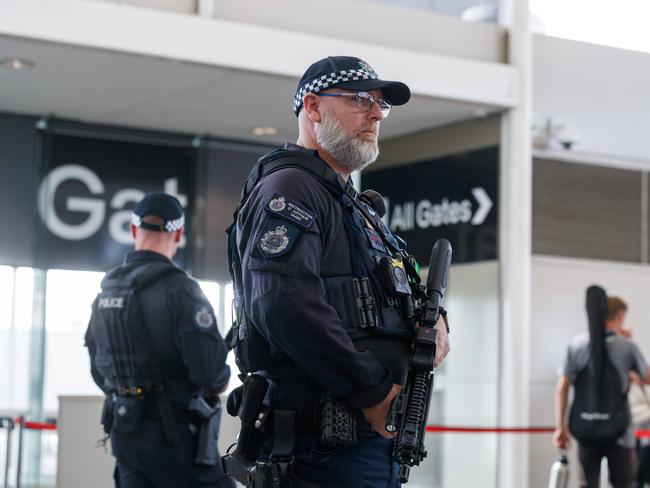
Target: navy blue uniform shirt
x,y
289,221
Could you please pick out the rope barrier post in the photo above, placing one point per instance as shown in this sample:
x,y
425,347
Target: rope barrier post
x,y
19,463
9,424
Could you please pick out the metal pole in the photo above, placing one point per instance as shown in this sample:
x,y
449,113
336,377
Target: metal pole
x,y
515,253
10,427
32,446
19,463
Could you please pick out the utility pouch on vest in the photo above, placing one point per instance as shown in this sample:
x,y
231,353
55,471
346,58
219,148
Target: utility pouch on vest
x,y
338,424
366,303
252,351
107,413
128,412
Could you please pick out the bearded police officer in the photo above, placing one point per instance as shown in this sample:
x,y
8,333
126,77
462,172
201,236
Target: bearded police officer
x,y
322,290
156,352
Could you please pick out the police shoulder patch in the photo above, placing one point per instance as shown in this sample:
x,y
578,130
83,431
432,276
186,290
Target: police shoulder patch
x,y
203,317
276,238
287,208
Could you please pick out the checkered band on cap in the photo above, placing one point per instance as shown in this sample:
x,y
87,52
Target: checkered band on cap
x,y
329,80
176,224
170,225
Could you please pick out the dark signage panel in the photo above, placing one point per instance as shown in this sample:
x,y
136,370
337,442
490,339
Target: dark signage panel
x,y
17,176
87,192
455,197
225,167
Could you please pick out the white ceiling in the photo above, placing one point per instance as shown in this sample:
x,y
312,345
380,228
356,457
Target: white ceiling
x,y
99,86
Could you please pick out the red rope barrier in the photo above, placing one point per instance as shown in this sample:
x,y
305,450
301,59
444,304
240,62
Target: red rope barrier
x,y
495,430
639,434
35,425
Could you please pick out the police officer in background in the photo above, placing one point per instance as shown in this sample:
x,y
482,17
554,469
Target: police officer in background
x,y
156,352
319,281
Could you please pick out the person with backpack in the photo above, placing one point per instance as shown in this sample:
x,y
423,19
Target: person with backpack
x,y
640,411
598,366
156,352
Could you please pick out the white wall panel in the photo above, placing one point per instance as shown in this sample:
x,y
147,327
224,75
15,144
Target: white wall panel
x,y
558,314
600,92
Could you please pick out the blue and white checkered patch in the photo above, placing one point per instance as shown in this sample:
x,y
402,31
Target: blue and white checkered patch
x,y
327,81
170,225
176,224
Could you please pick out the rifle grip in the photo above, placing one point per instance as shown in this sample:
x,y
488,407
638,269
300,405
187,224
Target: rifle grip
x,y
394,415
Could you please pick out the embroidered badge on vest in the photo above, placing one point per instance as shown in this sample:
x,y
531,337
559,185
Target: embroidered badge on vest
x,y
276,238
286,208
203,317
275,241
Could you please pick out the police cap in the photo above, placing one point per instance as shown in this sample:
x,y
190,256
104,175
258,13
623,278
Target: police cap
x,y
163,206
350,73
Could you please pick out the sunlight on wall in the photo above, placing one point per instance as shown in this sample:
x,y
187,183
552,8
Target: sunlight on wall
x,y
621,24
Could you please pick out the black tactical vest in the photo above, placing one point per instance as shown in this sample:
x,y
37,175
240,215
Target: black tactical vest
x,y
375,293
124,354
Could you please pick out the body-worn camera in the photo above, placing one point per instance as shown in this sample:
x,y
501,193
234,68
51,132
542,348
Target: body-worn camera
x,y
394,276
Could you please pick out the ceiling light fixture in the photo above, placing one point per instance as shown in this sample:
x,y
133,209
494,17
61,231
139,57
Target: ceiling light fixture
x,y
264,131
16,63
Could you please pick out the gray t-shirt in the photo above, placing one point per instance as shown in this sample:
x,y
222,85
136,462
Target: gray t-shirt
x,y
622,352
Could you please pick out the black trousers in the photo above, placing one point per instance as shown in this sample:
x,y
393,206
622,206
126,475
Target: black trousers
x,y
643,472
144,460
621,462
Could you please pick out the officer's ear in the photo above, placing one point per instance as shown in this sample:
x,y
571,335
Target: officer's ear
x,y
311,106
178,235
133,230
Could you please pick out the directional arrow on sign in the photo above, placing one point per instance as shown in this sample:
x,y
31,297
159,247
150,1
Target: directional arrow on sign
x,y
484,205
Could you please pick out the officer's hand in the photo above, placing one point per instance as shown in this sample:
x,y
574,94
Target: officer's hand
x,y
376,415
561,438
442,341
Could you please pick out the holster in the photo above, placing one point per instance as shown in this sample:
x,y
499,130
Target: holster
x,y
107,413
248,402
210,417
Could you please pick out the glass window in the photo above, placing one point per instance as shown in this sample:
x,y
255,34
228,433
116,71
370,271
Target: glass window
x,y
16,293
69,296
24,296
6,297
211,290
7,337
221,297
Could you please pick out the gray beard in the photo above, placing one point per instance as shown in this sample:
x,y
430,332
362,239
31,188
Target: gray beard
x,y
349,151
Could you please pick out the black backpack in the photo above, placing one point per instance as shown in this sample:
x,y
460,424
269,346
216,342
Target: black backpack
x,y
600,413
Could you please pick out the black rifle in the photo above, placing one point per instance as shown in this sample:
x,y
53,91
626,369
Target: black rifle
x,y
209,414
410,409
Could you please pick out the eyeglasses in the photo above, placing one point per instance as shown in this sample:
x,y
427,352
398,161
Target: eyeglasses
x,y
363,100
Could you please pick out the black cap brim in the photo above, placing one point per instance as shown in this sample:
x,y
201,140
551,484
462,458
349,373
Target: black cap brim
x,y
396,92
